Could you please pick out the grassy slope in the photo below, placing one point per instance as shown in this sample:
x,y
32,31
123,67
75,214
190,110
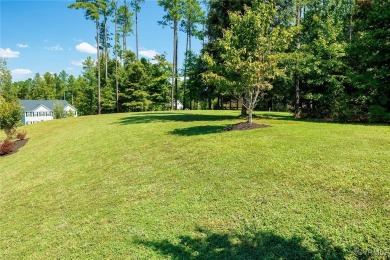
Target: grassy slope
x,y
154,185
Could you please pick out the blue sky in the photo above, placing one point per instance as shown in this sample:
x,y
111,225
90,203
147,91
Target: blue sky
x,y
46,36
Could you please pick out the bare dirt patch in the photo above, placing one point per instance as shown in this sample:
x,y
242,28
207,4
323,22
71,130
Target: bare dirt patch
x,y
19,144
245,126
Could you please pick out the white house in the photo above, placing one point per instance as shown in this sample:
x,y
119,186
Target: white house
x,y
35,111
179,105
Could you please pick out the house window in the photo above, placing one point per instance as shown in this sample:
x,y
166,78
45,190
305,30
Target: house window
x,y
41,113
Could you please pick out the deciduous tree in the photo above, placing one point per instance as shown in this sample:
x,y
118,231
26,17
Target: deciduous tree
x,y
249,54
10,116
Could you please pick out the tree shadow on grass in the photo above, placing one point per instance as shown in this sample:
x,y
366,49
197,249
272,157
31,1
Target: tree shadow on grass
x,y
254,245
150,117
198,130
271,116
175,117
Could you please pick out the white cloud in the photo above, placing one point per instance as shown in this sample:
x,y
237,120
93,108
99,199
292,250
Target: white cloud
x,y
55,48
78,62
19,74
86,47
8,53
21,45
148,53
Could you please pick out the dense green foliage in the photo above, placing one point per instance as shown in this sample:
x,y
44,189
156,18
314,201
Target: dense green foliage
x,y
369,59
326,72
59,111
249,53
10,116
174,185
142,86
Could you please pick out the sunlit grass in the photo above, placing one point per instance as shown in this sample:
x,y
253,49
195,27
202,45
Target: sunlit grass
x,y
175,185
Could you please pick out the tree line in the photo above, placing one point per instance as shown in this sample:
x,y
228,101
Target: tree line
x,y
142,86
318,58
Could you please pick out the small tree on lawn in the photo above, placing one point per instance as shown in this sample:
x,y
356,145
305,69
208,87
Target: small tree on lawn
x,y
249,54
10,117
58,111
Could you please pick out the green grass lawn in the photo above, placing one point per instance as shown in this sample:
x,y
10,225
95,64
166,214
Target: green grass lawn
x,y
174,185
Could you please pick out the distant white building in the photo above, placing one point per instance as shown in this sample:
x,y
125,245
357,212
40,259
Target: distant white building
x,y
35,111
179,105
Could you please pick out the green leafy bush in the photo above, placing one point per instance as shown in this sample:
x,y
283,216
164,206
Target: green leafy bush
x,y
58,111
10,117
377,114
70,113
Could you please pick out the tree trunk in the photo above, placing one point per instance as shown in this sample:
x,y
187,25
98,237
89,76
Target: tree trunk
x,y
136,32
98,65
185,69
176,67
124,43
173,106
105,48
243,108
116,63
125,31
250,111
297,113
270,104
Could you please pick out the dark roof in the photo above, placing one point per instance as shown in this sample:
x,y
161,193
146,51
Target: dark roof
x,y
30,105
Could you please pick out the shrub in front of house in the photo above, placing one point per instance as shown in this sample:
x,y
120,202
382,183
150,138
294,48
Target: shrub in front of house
x,y
70,113
59,111
6,147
